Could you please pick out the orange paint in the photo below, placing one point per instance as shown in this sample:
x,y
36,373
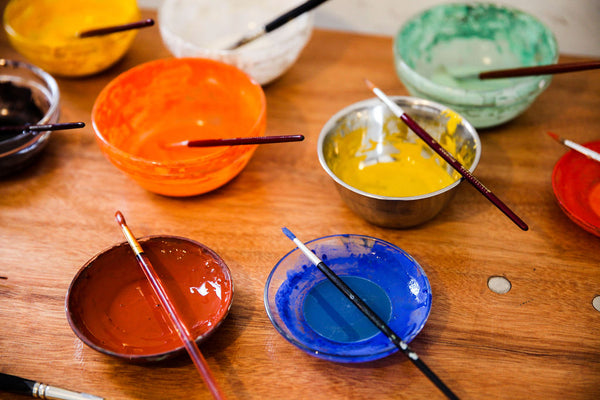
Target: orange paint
x,y
152,105
112,307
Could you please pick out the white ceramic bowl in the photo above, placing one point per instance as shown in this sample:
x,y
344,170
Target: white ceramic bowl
x,y
207,28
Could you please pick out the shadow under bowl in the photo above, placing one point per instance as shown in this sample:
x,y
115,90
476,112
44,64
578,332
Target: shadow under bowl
x,y
343,156
28,96
437,48
312,314
112,307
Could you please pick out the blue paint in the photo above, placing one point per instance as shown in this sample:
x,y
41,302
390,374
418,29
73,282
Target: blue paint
x,y
371,262
288,233
329,312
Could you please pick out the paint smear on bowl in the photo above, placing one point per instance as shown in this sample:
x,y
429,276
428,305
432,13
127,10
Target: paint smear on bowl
x,y
394,162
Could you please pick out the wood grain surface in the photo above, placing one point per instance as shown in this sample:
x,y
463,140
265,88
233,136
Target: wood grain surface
x,y
540,340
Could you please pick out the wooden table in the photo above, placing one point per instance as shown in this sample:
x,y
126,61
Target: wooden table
x,y
540,340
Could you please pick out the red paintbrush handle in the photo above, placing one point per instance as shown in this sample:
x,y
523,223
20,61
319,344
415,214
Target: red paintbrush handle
x,y
416,128
245,140
540,70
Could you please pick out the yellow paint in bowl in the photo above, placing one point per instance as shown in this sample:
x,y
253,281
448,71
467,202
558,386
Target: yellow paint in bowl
x,y
45,31
394,162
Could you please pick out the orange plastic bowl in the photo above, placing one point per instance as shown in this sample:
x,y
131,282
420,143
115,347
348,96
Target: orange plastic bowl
x,y
141,112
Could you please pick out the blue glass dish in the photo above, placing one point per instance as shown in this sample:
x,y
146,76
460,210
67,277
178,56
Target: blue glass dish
x,y
308,311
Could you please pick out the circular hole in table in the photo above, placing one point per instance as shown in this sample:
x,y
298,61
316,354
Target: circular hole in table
x,y
499,284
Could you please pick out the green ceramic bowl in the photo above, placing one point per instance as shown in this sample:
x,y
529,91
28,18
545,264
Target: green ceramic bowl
x,y
436,51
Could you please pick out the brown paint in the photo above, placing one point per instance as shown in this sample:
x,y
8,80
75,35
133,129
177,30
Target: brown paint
x,y
112,307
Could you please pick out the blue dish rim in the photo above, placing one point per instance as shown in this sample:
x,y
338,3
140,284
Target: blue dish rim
x,y
390,349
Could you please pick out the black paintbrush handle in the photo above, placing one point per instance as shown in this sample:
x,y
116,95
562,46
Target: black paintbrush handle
x,y
15,384
293,13
383,327
46,127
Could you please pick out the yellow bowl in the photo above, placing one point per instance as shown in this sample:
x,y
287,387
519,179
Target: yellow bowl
x,y
45,31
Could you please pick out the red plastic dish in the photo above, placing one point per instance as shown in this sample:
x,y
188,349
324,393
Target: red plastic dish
x,y
576,185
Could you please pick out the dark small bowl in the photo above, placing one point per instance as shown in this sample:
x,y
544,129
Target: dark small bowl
x,y
29,96
112,307
308,311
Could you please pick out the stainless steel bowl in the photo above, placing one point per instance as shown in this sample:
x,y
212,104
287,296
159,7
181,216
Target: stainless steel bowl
x,y
375,117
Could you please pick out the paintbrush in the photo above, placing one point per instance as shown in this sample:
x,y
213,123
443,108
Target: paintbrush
x,y
18,385
176,320
8,132
435,146
237,141
116,28
278,22
45,127
577,147
370,314
531,71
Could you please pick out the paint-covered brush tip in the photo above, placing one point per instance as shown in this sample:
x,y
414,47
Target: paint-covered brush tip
x,y
288,233
554,136
120,218
369,84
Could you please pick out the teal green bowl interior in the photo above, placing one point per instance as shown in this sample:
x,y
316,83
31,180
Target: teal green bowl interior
x,y
436,49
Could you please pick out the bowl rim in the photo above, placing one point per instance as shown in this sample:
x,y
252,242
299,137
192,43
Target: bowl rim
x,y
54,102
144,162
155,356
527,86
336,357
410,101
